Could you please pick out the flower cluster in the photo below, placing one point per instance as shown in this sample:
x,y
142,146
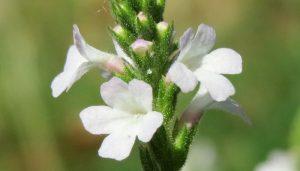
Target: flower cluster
x,y
149,70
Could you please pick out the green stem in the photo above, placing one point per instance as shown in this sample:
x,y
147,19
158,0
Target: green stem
x,y
162,143
148,160
162,149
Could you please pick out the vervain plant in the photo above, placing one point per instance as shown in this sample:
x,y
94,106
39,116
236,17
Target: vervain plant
x,y
149,71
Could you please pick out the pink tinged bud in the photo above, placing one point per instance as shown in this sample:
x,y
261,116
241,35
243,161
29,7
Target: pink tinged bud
x,y
142,17
141,46
162,26
115,65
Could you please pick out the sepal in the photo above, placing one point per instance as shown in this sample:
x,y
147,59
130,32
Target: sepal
x,y
182,144
123,37
164,47
166,99
154,8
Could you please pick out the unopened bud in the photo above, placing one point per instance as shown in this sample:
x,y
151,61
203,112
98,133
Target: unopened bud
x,y
142,17
141,46
162,27
120,31
115,65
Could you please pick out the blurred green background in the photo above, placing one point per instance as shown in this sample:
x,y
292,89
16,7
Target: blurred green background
x,y
38,132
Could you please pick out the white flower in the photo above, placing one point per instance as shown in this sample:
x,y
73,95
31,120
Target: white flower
x,y
203,101
195,63
278,161
81,58
128,114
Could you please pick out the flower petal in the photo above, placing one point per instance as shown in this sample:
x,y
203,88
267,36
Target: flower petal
x,y
104,120
74,59
122,54
114,89
59,85
117,145
223,61
204,40
76,66
186,38
149,123
231,107
219,87
117,94
182,77
199,46
142,92
82,69
201,101
87,51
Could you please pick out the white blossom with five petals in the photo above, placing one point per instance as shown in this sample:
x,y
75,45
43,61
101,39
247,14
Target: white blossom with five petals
x,y
128,115
81,58
195,63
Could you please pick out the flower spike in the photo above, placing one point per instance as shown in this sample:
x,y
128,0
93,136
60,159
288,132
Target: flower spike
x,y
149,70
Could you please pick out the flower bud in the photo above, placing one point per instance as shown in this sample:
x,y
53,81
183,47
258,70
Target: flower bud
x,y
115,65
119,30
162,27
141,46
142,17
122,34
144,26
